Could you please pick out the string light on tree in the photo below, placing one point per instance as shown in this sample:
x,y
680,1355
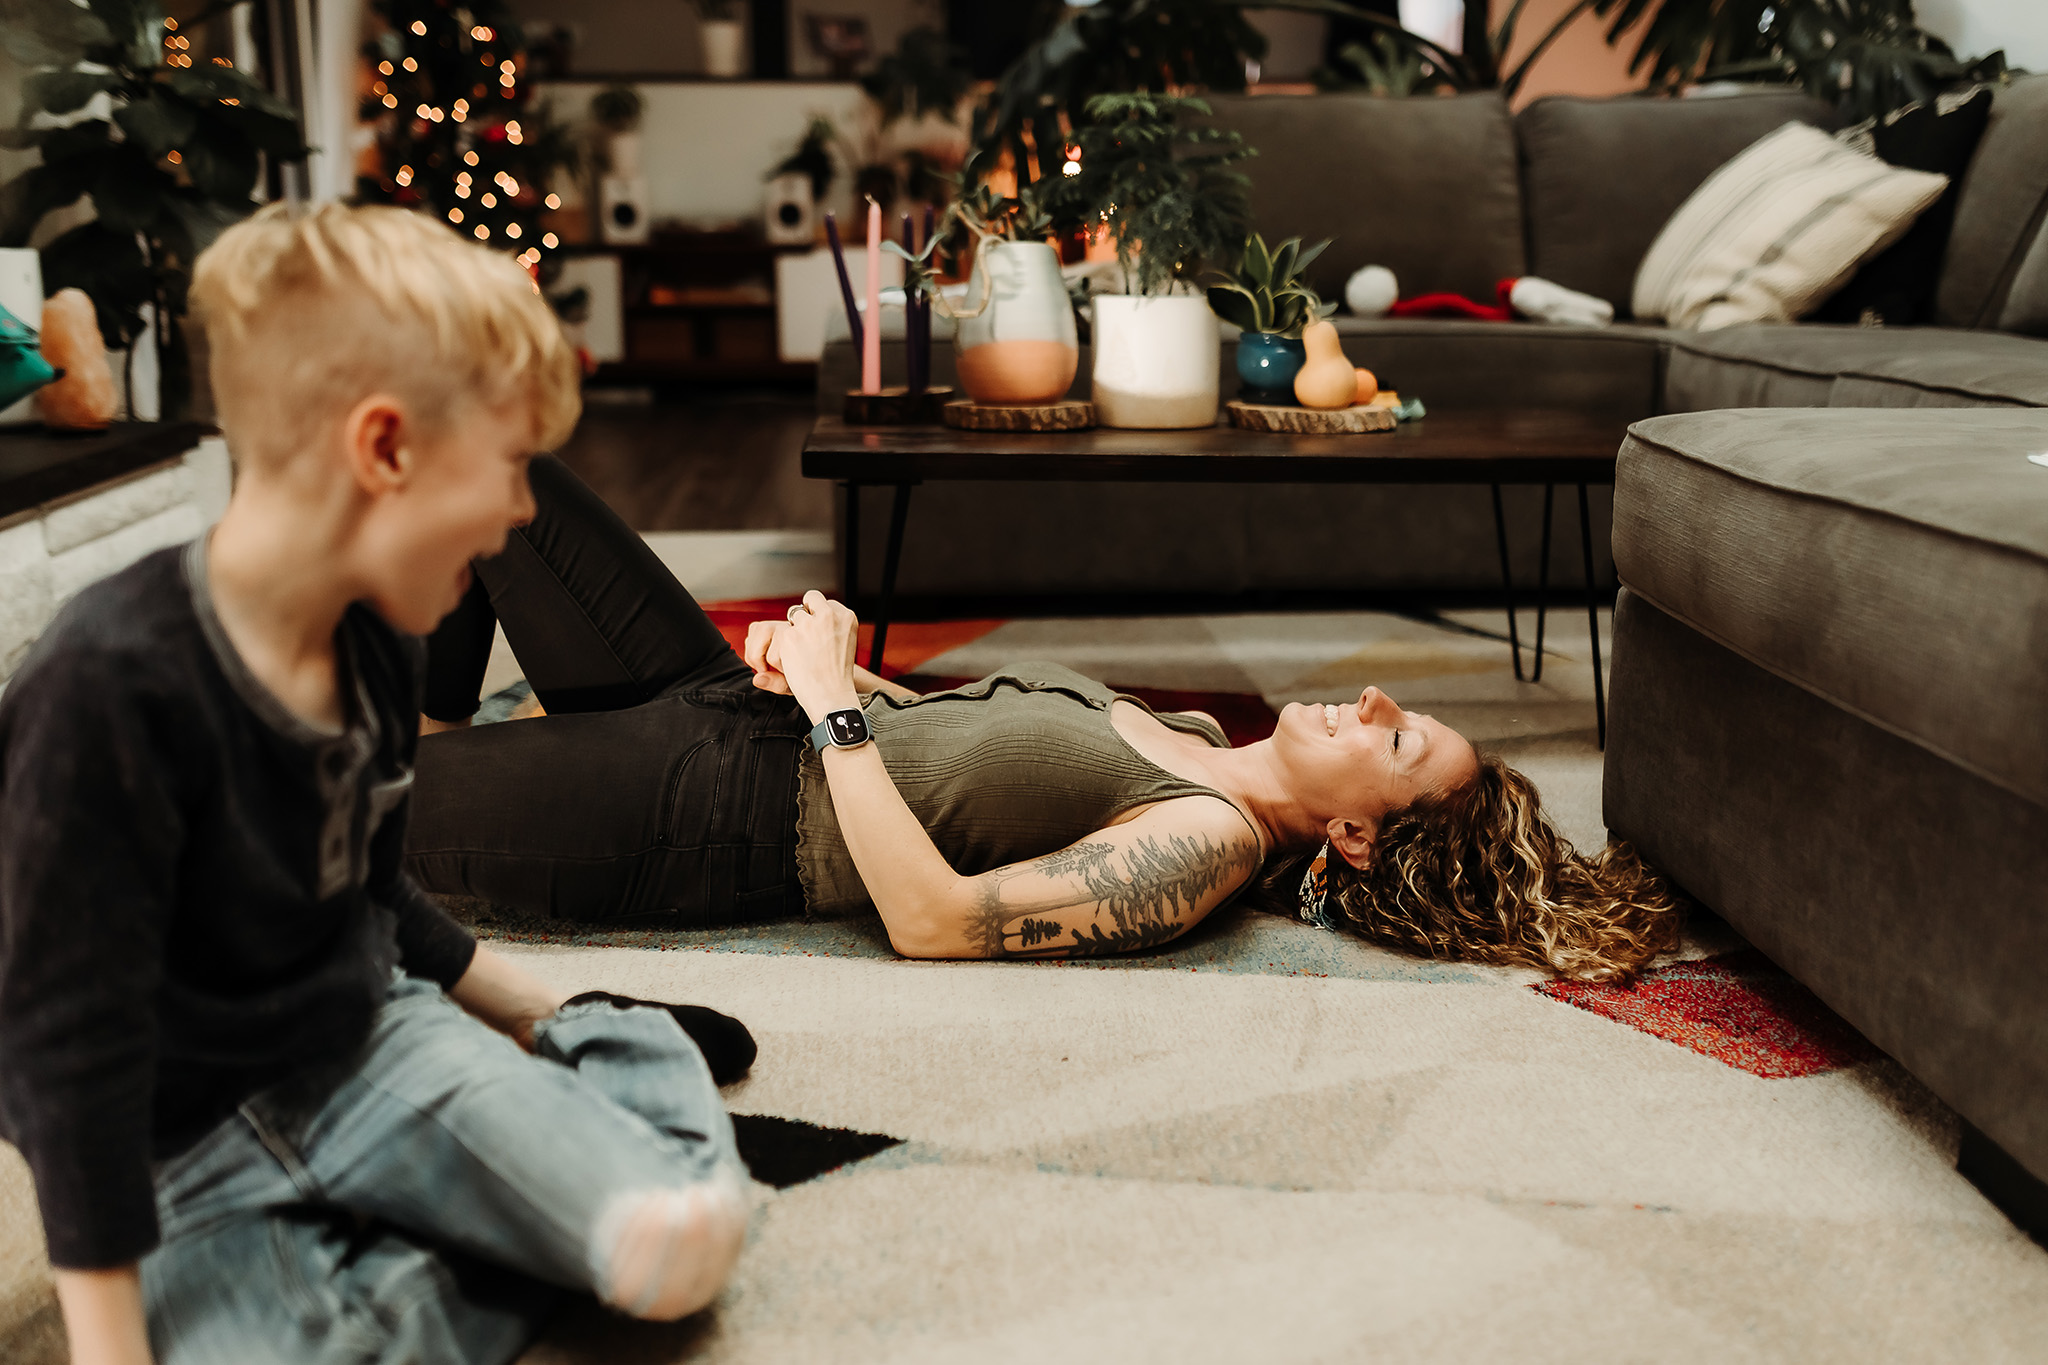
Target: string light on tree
x,y
448,95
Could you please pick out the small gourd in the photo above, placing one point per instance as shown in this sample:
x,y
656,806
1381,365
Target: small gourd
x,y
1368,388
1326,379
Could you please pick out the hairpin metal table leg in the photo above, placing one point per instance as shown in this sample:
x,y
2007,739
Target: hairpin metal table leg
x,y
1507,581
849,575
1543,584
1592,618
898,514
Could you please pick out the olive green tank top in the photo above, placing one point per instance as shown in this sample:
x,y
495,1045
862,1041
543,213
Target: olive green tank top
x,y
1015,766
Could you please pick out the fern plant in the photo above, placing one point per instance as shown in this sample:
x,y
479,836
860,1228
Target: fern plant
x,y
1164,190
1265,293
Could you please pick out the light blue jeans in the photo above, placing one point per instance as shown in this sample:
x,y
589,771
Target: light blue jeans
x,y
430,1205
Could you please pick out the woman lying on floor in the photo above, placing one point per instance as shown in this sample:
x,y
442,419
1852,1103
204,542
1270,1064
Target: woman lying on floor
x,y
1035,813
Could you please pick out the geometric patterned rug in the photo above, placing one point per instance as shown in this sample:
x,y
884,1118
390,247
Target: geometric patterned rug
x,y
1268,1142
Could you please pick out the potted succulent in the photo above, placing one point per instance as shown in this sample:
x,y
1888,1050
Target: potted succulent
x,y
724,37
1169,200
1266,298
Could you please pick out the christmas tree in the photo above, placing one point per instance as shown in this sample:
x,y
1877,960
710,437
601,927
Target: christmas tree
x,y
456,134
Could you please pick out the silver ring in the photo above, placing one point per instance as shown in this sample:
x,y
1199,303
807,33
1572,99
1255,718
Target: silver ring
x,y
791,613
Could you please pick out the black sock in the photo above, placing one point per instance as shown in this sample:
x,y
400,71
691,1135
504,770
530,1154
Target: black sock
x,y
727,1046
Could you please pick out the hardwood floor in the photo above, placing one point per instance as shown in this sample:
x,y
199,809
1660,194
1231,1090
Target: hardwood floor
x,y
702,461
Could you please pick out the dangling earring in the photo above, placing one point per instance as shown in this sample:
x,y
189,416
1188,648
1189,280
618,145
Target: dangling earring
x,y
1314,907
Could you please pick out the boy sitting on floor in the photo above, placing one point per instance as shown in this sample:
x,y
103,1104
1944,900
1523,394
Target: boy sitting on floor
x,y
237,1044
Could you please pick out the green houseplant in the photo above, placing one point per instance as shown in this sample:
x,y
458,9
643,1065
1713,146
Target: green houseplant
x,y
1113,47
1866,57
1167,195
173,162
1267,299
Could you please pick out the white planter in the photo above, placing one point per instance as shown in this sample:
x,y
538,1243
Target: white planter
x,y
725,47
1021,348
1155,361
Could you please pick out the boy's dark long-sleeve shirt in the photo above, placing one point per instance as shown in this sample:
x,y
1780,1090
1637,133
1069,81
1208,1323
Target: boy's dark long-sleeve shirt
x,y
200,894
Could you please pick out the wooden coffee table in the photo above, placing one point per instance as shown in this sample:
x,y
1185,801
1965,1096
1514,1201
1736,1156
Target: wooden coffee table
x,y
1509,446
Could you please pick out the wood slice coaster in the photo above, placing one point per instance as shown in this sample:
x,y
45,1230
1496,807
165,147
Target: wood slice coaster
x,y
1305,421
1065,416
896,407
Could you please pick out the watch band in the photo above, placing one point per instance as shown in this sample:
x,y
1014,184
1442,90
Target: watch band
x,y
847,729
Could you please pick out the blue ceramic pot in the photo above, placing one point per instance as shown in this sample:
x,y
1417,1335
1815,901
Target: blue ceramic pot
x,y
1267,363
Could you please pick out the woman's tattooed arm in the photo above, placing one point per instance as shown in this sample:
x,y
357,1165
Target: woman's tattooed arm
x,y
1122,889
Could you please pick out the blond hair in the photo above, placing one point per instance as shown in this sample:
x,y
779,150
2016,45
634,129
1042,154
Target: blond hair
x,y
309,312
1479,874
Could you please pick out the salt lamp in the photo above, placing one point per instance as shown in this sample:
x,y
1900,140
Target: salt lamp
x,y
82,397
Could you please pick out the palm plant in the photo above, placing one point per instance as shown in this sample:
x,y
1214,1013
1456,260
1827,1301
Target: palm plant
x,y
1866,57
173,163
1112,47
1266,293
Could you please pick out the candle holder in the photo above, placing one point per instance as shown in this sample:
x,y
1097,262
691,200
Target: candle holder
x,y
899,406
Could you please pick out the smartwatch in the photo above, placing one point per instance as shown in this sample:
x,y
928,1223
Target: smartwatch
x,y
846,729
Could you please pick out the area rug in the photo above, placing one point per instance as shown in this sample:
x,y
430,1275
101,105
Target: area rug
x,y
1265,1142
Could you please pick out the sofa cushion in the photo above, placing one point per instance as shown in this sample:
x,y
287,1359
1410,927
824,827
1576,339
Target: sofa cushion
x,y
1589,224
1771,234
2026,304
1894,564
1426,187
1999,207
1450,363
1809,365
1896,287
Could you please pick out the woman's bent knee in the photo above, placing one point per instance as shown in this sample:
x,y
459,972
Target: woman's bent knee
x,y
662,1254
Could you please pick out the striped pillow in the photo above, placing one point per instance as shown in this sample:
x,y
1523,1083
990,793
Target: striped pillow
x,y
1772,234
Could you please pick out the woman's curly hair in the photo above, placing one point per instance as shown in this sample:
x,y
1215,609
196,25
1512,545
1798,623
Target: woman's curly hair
x,y
1479,874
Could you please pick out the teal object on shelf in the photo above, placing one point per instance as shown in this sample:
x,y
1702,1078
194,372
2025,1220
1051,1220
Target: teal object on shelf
x,y
1267,363
22,367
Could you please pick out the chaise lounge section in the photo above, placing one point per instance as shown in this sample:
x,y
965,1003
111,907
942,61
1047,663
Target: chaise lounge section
x,y
1827,721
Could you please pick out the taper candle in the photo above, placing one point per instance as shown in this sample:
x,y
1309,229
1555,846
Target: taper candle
x,y
871,342
845,281
912,372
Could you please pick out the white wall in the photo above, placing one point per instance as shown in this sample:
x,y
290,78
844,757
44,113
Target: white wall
x,y
706,147
1975,27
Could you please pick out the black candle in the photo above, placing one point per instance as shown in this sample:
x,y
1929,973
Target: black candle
x,y
845,283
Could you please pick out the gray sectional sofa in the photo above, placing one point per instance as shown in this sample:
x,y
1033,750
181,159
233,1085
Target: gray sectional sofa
x,y
1455,194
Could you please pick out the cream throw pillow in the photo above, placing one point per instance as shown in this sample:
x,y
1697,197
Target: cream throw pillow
x,y
1771,235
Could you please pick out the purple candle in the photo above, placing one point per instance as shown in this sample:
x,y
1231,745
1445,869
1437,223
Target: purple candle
x,y
845,281
913,371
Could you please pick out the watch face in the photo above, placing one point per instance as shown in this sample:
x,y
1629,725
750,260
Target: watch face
x,y
847,727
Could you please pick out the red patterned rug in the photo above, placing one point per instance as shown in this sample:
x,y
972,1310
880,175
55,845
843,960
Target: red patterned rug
x,y
1245,717
1739,1008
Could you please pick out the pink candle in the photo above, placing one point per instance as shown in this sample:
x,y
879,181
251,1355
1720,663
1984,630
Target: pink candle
x,y
871,334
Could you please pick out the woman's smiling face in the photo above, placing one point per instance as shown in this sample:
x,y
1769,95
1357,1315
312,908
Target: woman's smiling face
x,y
1364,760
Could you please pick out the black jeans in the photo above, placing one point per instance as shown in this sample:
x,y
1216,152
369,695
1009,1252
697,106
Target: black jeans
x,y
661,787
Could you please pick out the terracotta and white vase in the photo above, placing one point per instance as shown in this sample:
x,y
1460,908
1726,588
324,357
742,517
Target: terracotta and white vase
x,y
725,47
1156,359
1021,348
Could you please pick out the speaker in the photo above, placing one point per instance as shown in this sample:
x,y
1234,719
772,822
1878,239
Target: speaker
x,y
622,205
788,213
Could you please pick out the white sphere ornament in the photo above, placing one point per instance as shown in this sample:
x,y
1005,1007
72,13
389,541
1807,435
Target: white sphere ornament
x,y
1371,291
